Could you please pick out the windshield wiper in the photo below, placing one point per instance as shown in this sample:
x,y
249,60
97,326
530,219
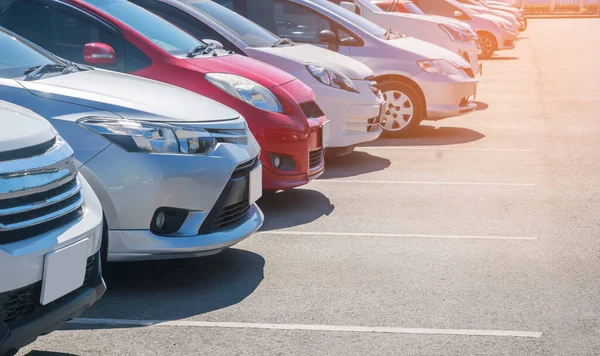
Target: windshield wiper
x,y
38,71
201,49
283,41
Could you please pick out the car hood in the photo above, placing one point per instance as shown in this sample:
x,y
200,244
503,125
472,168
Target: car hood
x,y
450,21
289,58
264,74
22,128
426,50
508,9
491,17
130,97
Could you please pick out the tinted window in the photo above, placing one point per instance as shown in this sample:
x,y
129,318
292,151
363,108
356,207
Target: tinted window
x,y
352,18
247,31
61,32
437,7
15,57
135,58
158,31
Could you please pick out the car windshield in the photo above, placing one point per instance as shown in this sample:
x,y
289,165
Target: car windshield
x,y
412,8
350,17
17,56
464,9
160,32
247,31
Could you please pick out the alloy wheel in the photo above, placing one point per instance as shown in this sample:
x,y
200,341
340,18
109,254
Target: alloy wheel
x,y
486,44
399,110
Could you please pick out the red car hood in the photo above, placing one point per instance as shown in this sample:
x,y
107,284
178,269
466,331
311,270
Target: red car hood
x,y
262,73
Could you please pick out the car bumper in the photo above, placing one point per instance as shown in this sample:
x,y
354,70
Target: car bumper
x,y
14,335
447,96
506,40
353,117
137,245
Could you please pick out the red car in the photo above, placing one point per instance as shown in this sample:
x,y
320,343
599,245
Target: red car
x,y
115,34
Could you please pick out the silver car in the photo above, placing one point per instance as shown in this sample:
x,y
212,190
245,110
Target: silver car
x,y
177,174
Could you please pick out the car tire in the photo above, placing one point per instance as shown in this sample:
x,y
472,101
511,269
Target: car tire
x,y
404,109
488,44
104,244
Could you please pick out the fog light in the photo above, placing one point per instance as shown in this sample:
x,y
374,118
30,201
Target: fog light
x,y
160,220
276,161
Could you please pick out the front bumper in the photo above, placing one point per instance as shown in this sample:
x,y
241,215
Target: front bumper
x,y
21,332
506,40
353,117
447,96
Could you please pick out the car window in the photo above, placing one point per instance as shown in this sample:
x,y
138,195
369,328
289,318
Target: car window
x,y
60,31
159,31
247,31
410,7
290,20
437,7
15,57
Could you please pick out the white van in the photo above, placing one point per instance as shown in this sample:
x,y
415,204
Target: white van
x,y
50,231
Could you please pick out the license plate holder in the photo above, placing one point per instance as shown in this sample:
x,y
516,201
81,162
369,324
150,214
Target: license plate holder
x,y
64,271
255,184
325,134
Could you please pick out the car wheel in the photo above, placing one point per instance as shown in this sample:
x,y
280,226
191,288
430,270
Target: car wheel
x,y
104,244
404,109
488,44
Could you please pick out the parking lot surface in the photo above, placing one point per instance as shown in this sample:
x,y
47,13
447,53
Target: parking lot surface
x,y
477,237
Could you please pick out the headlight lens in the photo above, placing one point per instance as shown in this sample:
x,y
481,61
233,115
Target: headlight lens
x,y
246,90
440,66
141,136
332,78
456,34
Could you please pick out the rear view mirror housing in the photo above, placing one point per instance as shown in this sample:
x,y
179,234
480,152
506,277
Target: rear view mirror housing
x,y
213,43
349,6
99,53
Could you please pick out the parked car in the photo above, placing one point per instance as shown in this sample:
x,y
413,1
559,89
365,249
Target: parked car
x,y
177,173
478,9
418,80
502,7
115,34
459,38
494,33
343,87
50,230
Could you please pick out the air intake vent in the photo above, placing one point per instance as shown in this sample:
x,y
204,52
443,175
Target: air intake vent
x,y
311,110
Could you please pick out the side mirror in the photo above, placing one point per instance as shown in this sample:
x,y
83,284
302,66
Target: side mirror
x,y
327,36
99,53
348,6
215,44
458,14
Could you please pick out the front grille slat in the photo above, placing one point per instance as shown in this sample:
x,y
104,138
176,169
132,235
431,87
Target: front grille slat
x,y
315,158
311,110
19,303
39,200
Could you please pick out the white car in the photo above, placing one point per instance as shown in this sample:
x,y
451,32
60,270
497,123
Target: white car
x,y
419,80
460,39
494,32
478,9
50,231
344,88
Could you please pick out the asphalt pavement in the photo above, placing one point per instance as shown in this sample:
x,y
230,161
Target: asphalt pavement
x,y
477,237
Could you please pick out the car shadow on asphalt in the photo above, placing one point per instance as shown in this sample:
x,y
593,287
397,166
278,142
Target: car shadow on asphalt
x,y
353,164
293,208
426,135
47,353
176,289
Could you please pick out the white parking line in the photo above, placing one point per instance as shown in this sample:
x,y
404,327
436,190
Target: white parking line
x,y
427,236
422,182
333,328
436,148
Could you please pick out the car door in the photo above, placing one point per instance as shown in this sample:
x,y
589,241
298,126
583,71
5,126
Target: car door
x,y
62,29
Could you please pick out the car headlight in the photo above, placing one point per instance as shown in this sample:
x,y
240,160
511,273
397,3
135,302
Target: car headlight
x,y
246,90
503,26
143,136
440,66
332,78
456,34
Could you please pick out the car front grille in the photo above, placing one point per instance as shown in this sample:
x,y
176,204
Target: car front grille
x,y
311,110
27,152
315,158
233,204
19,303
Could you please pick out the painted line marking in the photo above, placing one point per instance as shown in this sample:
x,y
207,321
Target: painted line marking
x,y
422,183
428,236
333,328
490,127
429,148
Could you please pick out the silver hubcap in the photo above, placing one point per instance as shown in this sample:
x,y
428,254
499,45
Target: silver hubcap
x,y
399,110
486,44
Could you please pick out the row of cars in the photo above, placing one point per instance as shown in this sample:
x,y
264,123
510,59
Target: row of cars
x,y
167,119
